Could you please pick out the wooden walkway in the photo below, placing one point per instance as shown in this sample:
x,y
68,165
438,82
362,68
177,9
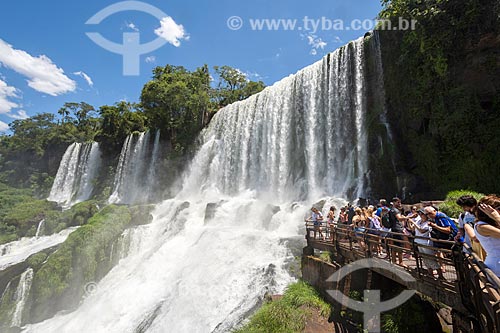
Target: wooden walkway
x,y
469,287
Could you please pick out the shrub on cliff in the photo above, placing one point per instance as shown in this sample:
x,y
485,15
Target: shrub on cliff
x,y
288,314
449,206
25,216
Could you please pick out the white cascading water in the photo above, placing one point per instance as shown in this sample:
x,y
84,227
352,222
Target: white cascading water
x,y
77,171
18,251
151,179
39,228
212,253
135,171
304,137
21,296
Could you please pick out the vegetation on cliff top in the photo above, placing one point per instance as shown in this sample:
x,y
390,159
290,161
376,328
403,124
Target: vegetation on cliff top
x,y
177,101
450,207
289,313
20,214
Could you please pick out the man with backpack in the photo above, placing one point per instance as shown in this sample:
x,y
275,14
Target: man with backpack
x,y
443,228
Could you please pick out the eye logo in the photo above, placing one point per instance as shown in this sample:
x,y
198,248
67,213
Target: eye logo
x,y
131,49
371,307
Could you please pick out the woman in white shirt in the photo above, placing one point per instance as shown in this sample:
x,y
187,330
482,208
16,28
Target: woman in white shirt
x,y
488,231
423,236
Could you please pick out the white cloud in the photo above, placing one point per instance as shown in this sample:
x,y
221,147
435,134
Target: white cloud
x,y
315,43
85,77
253,76
3,126
43,75
171,31
337,39
6,93
21,114
150,59
132,26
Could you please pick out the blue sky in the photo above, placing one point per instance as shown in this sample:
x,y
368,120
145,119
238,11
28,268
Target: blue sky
x,y
46,58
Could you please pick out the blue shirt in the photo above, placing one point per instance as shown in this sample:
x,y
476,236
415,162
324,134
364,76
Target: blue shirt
x,y
444,221
379,211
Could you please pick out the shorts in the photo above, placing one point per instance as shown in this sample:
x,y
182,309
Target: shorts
x,y
399,237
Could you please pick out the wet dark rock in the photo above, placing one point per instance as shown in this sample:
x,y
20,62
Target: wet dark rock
x,y
141,214
211,209
268,214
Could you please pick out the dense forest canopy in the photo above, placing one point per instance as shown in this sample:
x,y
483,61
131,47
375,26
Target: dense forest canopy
x,y
176,101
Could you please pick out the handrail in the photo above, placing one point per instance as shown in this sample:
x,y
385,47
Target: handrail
x,y
466,274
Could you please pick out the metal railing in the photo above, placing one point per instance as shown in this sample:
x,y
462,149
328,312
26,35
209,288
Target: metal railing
x,y
479,288
463,272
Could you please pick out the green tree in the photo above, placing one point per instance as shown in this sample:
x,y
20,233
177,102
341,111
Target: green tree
x,y
31,134
176,101
119,120
232,86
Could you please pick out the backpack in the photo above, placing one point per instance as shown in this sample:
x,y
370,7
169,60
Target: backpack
x,y
386,222
395,224
446,221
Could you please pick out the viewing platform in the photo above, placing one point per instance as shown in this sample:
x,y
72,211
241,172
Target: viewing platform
x,y
470,288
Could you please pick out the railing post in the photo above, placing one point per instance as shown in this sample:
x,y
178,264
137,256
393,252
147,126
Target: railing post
x,y
309,249
459,262
416,254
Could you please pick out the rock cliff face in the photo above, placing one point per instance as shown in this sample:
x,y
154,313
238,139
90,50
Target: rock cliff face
x,y
442,94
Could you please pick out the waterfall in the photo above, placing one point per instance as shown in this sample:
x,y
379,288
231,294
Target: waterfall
x,y
39,228
151,180
89,168
211,253
135,175
76,174
18,251
303,137
21,295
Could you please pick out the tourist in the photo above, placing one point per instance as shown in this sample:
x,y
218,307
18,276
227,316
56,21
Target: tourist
x,y
359,225
443,228
466,220
343,223
423,237
375,227
350,213
488,232
408,229
331,222
397,220
381,205
491,212
342,216
316,217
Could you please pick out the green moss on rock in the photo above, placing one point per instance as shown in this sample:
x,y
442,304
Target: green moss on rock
x,y
81,259
36,260
27,215
289,313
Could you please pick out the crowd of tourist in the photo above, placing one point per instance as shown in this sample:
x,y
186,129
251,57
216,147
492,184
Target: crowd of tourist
x,y
478,226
